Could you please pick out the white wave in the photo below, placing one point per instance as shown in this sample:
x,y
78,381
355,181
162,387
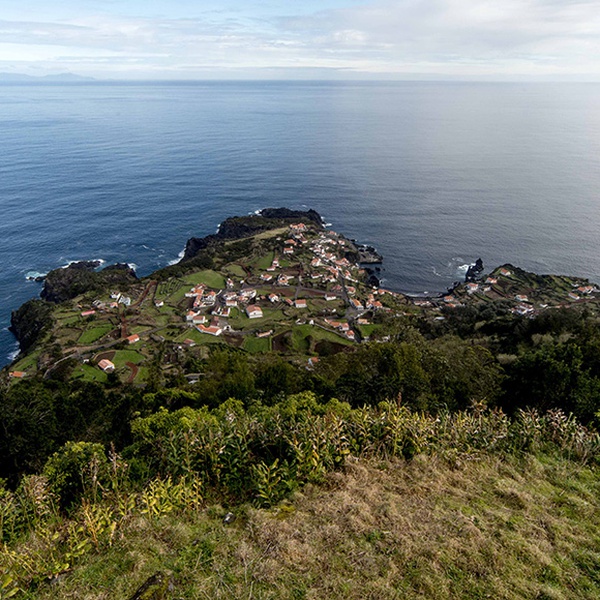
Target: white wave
x,y
176,260
32,275
132,266
327,224
14,352
462,269
101,262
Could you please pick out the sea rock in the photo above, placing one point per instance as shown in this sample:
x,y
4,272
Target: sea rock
x,y
368,255
474,271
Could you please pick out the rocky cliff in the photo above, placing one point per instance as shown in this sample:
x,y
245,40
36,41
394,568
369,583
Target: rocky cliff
x,y
79,278
235,228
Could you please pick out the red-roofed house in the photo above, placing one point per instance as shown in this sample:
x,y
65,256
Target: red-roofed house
x,y
106,365
212,330
132,339
254,312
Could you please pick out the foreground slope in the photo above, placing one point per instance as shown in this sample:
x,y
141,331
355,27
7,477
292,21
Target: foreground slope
x,y
489,528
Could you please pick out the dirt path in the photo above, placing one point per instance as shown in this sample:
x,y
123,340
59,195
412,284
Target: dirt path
x,y
134,371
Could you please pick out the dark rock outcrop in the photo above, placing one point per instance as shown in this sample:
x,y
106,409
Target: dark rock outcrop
x,y
235,228
30,322
78,278
474,271
368,255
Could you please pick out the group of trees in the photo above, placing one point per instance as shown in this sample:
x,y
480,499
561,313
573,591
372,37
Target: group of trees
x,y
549,362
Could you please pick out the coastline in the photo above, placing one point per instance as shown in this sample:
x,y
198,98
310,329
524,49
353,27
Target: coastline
x,y
76,278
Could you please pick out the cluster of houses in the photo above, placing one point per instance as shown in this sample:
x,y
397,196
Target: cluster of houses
x,y
524,306
221,303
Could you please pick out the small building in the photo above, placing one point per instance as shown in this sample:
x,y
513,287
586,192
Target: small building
x,y
211,330
106,365
521,298
189,343
273,298
266,277
133,339
254,312
300,303
330,297
288,250
17,374
199,319
264,334
88,313
356,304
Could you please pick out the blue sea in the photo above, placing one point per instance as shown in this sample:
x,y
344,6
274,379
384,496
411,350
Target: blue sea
x,y
434,175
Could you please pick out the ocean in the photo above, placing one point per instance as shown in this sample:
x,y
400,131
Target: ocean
x,y
433,174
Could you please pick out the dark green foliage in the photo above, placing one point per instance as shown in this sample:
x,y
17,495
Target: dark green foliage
x,y
78,467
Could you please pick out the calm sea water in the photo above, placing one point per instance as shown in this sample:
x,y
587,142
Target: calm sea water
x,y
433,174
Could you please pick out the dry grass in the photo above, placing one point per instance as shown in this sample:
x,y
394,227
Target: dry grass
x,y
486,529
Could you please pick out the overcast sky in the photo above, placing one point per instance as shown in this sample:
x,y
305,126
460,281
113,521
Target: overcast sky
x,y
331,39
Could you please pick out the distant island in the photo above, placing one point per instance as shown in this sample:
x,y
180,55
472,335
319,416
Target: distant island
x,y
58,78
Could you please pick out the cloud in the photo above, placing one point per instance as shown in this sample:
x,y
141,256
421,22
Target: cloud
x,y
409,32
468,37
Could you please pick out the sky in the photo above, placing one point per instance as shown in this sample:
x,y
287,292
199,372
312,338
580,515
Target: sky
x,y
303,39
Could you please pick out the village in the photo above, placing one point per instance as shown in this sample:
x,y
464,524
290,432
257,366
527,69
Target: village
x,y
300,291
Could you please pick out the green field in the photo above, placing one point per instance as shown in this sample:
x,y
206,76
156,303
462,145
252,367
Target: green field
x,y
210,278
254,344
236,270
123,356
200,338
301,332
265,262
89,373
367,330
270,317
94,334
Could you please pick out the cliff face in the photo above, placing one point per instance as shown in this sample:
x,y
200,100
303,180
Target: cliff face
x,y
79,278
235,228
30,322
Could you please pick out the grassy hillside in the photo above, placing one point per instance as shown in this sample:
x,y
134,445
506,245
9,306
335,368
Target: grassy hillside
x,y
488,528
